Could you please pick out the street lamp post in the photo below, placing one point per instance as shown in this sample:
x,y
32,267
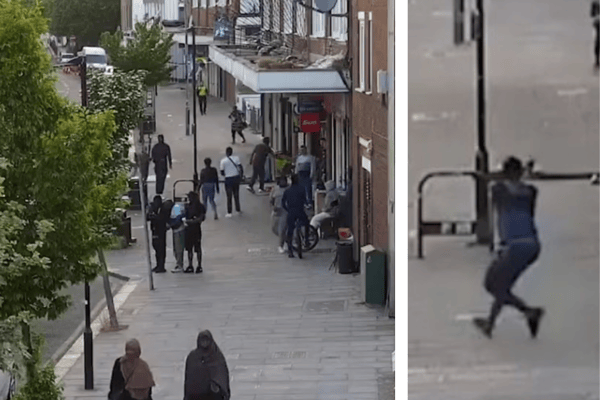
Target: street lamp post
x,y
88,349
194,125
481,156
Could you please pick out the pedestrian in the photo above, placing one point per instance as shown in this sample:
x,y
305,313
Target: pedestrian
x,y
279,215
158,226
292,202
258,160
232,170
206,372
202,94
209,183
194,215
514,203
176,223
237,124
595,14
161,156
305,168
131,376
331,206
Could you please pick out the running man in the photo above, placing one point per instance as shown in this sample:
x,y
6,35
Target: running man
x,y
514,202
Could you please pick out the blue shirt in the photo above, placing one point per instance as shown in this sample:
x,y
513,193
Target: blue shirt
x,y
515,203
293,199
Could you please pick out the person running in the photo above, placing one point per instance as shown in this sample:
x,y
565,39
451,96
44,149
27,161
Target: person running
x,y
258,160
176,223
206,373
595,14
305,168
279,215
209,183
292,202
161,156
237,124
158,226
232,170
194,215
514,203
202,94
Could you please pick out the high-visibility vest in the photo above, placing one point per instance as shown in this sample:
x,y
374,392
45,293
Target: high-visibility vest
x,y
202,91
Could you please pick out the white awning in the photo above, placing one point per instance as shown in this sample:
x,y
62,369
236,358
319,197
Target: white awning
x,y
200,40
278,81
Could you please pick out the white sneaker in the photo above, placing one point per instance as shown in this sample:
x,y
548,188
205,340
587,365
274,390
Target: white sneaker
x,y
177,269
227,215
261,191
281,250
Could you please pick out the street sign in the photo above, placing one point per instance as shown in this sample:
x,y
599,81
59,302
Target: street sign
x,y
310,122
310,107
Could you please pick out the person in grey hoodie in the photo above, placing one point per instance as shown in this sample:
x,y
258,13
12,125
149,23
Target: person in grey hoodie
x,y
279,215
331,206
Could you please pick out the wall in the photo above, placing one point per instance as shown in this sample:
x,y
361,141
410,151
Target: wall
x,y
371,124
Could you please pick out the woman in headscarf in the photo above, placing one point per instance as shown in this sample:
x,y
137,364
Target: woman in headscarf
x,y
131,377
206,373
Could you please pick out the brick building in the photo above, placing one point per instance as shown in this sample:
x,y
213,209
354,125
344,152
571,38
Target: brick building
x,y
369,122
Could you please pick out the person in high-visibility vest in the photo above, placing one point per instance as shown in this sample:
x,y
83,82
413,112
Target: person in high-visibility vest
x,y
202,93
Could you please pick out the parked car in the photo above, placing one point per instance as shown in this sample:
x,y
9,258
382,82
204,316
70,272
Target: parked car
x,y
7,386
64,57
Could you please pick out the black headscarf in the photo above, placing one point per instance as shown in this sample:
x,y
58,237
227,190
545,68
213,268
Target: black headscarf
x,y
206,364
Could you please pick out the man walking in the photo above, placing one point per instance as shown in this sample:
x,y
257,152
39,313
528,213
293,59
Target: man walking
x,y
232,170
202,93
258,160
305,168
161,156
514,202
209,183
194,215
595,14
293,203
237,124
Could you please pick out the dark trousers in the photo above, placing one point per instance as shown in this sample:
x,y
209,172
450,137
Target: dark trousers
x,y
202,104
292,218
161,176
159,243
306,183
504,271
239,132
258,172
232,189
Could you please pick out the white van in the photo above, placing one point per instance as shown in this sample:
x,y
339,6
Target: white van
x,y
95,57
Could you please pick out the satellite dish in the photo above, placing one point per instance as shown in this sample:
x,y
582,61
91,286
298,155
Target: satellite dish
x,y
325,5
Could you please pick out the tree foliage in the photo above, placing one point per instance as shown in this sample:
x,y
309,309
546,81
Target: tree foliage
x,y
86,19
59,201
124,94
150,51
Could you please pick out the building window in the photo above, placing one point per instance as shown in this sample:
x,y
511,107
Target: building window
x,y
204,3
339,25
365,59
318,24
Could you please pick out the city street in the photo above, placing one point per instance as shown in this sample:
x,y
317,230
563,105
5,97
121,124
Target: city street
x,y
289,329
542,101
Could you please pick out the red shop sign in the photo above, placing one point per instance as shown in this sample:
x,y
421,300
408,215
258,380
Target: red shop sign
x,y
310,122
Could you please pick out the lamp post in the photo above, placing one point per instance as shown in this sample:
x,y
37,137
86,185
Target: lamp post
x,y
481,155
194,95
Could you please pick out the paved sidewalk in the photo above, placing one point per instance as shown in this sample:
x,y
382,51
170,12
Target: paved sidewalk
x,y
289,329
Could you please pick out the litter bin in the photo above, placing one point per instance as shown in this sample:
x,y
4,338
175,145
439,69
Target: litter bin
x,y
344,257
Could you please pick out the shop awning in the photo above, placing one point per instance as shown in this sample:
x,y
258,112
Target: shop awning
x,y
278,81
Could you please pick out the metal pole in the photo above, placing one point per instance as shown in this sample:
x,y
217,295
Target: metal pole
x,y
194,105
187,81
481,156
459,12
88,350
146,236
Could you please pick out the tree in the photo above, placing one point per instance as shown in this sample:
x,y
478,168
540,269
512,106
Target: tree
x,y
86,19
150,51
57,153
124,94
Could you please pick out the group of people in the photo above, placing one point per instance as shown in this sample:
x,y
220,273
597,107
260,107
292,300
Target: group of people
x,y
206,373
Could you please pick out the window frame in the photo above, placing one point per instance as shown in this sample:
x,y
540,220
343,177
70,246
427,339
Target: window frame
x,y
361,51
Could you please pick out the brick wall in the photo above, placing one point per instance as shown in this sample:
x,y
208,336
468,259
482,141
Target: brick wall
x,y
369,121
230,89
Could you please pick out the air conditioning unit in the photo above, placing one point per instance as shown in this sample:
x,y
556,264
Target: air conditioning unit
x,y
382,81
372,275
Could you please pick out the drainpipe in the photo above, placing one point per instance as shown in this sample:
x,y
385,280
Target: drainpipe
x,y
391,164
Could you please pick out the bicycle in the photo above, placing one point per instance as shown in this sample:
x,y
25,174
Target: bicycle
x,y
300,242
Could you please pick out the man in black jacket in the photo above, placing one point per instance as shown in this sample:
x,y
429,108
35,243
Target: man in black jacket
x,y
161,156
293,201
